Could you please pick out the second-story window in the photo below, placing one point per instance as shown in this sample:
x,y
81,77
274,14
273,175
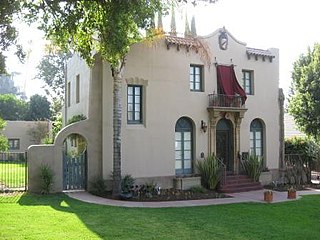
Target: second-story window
x,y
134,104
247,81
78,88
196,78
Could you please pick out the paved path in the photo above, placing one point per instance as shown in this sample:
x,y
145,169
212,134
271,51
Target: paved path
x,y
252,196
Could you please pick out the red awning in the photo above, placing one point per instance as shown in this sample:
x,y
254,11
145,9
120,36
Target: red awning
x,y
228,83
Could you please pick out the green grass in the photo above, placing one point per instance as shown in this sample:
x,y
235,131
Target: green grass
x,y
60,217
13,174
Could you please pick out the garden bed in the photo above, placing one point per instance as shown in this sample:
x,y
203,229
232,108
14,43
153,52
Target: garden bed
x,y
171,195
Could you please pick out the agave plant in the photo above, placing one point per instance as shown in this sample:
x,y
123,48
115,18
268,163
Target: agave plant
x,y
253,166
210,171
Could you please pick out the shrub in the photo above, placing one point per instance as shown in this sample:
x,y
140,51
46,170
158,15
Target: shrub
x,y
127,182
253,165
98,186
46,176
76,118
210,172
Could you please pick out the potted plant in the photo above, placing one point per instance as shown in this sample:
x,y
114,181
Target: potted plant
x,y
268,196
292,193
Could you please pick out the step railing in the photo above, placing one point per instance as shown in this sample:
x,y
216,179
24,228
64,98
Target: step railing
x,y
223,170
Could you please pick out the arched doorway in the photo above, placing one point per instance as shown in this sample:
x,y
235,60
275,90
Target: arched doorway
x,y
224,144
75,162
183,146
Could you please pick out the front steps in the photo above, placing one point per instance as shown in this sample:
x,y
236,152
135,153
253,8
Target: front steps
x,y
239,183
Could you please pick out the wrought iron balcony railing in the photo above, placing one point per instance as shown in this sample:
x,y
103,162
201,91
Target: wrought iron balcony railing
x,y
226,101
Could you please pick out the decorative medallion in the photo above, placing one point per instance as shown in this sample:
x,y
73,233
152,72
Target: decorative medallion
x,y
223,39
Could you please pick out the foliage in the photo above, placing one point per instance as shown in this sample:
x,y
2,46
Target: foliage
x,y
47,215
76,118
4,145
56,125
304,103
38,132
51,70
210,172
11,108
39,108
9,9
253,165
305,155
198,189
98,186
127,183
46,176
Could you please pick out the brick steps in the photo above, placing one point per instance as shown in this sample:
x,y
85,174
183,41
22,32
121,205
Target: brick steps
x,y
239,183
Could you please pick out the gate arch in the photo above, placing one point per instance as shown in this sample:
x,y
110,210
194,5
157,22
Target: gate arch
x,y
75,162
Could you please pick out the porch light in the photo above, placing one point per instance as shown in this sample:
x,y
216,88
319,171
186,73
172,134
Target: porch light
x,y
204,126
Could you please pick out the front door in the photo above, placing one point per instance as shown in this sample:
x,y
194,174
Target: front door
x,y
224,147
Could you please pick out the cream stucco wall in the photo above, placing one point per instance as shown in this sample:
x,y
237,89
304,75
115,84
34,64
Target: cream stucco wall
x,y
76,66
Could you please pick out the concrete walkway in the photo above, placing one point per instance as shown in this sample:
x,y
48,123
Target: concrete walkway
x,y
252,196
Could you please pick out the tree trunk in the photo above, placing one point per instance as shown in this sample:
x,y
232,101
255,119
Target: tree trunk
x,y
117,119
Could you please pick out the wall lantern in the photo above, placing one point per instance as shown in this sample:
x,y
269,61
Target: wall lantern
x,y
203,126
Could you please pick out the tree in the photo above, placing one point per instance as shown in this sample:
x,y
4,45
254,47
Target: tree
x,y
304,102
39,132
7,86
12,108
4,145
8,33
39,108
51,70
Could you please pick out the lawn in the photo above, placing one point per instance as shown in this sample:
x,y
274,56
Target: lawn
x,y
60,217
12,174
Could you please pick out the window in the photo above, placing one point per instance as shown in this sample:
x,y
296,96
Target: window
x,y
78,88
256,137
196,78
14,144
183,146
247,81
134,104
69,93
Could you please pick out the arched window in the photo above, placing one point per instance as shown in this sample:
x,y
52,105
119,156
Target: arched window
x,y
256,137
183,146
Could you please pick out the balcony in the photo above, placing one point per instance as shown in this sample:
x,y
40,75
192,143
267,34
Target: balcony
x,y
225,101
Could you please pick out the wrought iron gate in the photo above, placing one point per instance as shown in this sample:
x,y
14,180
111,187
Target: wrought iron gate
x,y
75,172
13,171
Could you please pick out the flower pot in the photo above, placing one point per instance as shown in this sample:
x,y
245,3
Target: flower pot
x,y
292,194
268,196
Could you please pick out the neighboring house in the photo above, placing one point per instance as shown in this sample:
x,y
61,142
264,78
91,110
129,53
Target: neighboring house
x,y
182,99
22,134
290,127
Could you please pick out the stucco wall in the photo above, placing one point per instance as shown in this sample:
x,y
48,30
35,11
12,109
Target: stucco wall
x,y
148,148
19,130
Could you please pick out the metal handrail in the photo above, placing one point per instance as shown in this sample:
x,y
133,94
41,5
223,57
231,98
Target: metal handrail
x,y
224,172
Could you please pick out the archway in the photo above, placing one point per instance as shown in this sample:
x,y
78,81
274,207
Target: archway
x,y
75,162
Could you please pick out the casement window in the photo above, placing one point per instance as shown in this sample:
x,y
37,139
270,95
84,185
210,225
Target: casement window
x,y
69,94
183,146
196,78
134,104
256,138
14,144
78,88
247,81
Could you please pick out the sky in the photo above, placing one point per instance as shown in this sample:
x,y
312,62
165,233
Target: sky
x,y
289,25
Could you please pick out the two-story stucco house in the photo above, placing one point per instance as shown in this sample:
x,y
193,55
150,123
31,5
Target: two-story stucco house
x,y
183,98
